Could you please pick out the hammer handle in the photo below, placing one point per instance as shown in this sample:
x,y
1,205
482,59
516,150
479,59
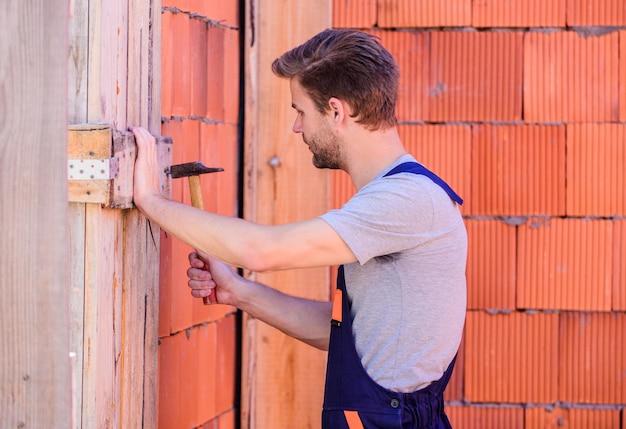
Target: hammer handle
x,y
196,200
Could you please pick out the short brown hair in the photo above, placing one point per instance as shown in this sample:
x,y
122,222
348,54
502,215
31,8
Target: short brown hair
x,y
350,65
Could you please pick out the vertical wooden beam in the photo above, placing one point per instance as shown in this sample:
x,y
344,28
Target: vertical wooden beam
x,y
114,64
35,375
283,379
78,57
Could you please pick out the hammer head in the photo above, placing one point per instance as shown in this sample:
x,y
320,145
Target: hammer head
x,y
191,169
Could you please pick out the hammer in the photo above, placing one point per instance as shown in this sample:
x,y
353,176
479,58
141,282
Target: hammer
x,y
193,170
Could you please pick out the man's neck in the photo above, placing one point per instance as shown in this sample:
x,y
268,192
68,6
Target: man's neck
x,y
372,152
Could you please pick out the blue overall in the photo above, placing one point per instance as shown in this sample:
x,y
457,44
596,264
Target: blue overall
x,y
352,400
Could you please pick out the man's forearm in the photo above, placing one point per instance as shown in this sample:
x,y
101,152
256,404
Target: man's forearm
x,y
228,238
303,319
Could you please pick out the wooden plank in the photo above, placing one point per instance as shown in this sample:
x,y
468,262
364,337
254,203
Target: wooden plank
x,y
151,232
119,387
89,141
77,303
154,69
108,38
96,107
137,285
283,378
78,61
125,150
35,373
102,324
138,62
89,191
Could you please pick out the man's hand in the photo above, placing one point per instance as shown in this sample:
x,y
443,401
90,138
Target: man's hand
x,y
146,180
206,273
304,319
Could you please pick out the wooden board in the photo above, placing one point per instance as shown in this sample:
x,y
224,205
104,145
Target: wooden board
x,y
35,373
114,64
282,378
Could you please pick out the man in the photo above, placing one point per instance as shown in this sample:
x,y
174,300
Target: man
x,y
401,243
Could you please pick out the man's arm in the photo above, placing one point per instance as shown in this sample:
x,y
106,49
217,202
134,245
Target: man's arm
x,y
304,319
310,243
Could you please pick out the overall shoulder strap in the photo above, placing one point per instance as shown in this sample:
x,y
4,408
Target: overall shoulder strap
x,y
415,168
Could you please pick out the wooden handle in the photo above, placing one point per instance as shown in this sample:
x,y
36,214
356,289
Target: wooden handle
x,y
196,200
196,192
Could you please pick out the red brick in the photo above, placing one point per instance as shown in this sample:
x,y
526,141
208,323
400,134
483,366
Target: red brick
x,y
175,409
174,129
491,264
198,47
484,417
592,350
231,76
424,13
572,418
226,363
565,264
190,145
181,87
227,158
475,76
445,150
596,13
569,77
205,343
519,13
180,299
622,76
168,416
167,64
411,51
215,73
354,13
219,148
518,170
619,268
595,170
511,357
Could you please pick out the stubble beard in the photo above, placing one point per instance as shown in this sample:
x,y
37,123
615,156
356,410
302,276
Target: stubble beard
x,y
326,150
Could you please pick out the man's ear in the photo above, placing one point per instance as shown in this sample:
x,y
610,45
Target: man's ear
x,y
337,109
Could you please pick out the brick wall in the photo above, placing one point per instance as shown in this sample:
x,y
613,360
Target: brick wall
x,y
198,380
518,104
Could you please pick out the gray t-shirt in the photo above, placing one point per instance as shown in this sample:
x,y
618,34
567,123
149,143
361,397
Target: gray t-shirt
x,y
407,291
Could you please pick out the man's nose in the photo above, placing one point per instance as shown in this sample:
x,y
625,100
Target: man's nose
x,y
297,126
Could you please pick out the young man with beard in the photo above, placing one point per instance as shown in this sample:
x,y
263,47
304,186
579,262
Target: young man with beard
x,y
400,241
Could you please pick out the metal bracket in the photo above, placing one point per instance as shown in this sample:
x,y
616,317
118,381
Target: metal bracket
x,y
93,169
101,164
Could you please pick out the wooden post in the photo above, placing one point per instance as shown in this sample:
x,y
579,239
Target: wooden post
x,y
282,378
114,62
35,375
